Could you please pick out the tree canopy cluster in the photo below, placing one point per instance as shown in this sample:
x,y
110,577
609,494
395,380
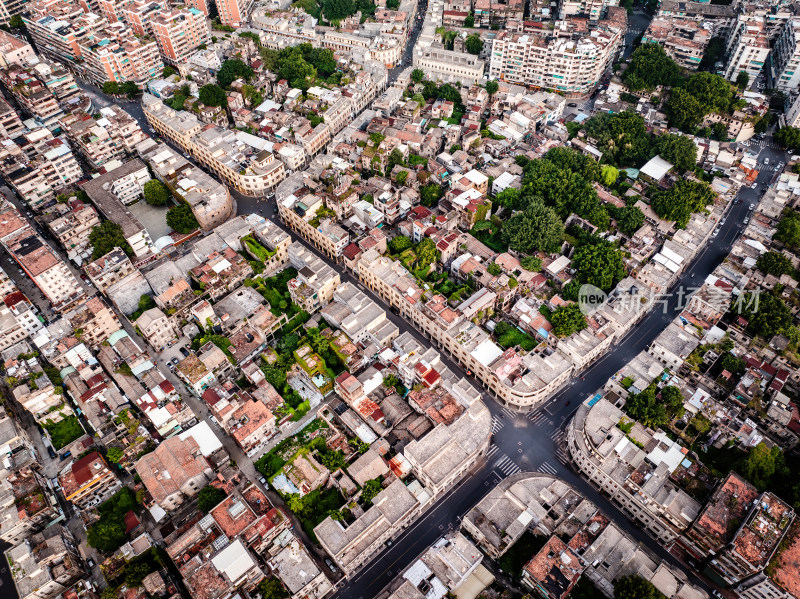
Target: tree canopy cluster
x,y
300,64
788,137
701,94
563,181
181,219
773,263
567,320
622,137
635,587
599,263
128,88
681,200
767,314
650,67
231,70
474,44
105,237
678,150
213,95
209,497
155,193
789,229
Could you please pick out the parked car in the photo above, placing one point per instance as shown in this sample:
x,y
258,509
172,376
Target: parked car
x,y
751,206
90,562
747,220
51,452
64,455
754,185
185,352
263,481
330,565
572,105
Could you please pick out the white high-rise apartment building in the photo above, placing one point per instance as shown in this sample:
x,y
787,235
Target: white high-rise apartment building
x,y
747,48
555,59
783,72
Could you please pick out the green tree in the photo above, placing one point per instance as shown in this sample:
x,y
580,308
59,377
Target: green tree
x,y
474,44
766,314
271,588
645,408
629,219
106,535
491,87
509,197
209,497
537,228
789,138
370,490
111,88
114,454
531,263
213,95
683,110
712,91
609,175
600,265
681,200
773,263
155,193
622,137
789,229
400,244
469,20
761,464
417,75
231,70
16,22
494,269
567,320
168,72
135,573
650,66
635,587
673,400
430,194
181,219
742,79
105,237
129,88
679,150
733,364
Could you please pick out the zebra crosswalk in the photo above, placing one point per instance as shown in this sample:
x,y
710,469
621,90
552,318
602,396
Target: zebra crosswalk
x,y
507,466
548,468
497,424
540,419
760,144
492,450
510,413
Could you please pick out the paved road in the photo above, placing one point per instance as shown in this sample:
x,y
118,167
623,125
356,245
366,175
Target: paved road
x,y
408,52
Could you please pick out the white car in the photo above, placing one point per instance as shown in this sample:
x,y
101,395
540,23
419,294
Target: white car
x,y
751,206
753,186
747,220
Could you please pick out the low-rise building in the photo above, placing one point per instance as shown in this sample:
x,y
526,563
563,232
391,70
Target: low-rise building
x,y
174,471
112,191
46,565
298,572
634,475
157,329
88,481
